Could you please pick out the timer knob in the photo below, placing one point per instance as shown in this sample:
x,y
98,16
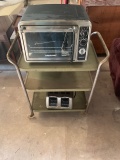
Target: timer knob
x,y
83,42
82,51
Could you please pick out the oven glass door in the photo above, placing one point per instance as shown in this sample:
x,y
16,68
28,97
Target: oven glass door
x,y
50,45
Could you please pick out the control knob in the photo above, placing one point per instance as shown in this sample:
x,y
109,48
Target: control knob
x,y
84,34
83,42
82,51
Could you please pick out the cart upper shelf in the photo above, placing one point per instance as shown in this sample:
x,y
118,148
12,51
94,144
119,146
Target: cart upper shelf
x,y
90,65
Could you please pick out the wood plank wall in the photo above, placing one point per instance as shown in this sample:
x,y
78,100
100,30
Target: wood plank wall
x,y
106,20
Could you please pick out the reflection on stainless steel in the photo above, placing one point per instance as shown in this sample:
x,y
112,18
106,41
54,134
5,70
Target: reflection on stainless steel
x,y
64,42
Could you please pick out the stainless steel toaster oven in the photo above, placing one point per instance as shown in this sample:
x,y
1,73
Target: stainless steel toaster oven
x,y
55,33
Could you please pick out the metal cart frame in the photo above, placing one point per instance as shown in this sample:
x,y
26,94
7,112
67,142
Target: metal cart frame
x,y
21,78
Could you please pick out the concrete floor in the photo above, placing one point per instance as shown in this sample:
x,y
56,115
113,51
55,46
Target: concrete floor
x,y
58,136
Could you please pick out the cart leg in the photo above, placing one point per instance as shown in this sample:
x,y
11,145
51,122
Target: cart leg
x,y
26,94
93,87
99,66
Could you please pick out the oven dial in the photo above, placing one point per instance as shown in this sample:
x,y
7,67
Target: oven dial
x,y
83,42
82,51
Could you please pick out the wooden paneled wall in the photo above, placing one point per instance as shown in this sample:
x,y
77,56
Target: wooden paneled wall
x,y
106,20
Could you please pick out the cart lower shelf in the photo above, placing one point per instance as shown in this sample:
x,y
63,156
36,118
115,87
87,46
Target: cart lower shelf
x,y
39,103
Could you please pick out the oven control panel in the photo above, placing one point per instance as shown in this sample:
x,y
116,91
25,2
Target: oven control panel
x,y
83,42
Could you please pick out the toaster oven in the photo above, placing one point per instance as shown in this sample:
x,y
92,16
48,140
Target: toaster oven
x,y
55,33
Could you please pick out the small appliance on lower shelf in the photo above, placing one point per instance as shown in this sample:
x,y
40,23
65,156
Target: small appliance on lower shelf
x,y
59,100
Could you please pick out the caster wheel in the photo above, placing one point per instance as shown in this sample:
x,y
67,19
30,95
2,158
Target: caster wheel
x,y
31,116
